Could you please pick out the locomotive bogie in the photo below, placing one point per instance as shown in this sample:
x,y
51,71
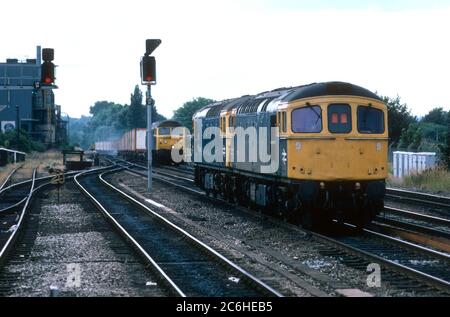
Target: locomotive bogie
x,y
319,202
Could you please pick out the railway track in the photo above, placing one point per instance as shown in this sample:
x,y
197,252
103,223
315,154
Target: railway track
x,y
53,235
426,265
8,179
181,170
187,266
403,219
10,223
15,194
408,262
430,227
423,236
14,201
427,230
439,205
425,226
412,226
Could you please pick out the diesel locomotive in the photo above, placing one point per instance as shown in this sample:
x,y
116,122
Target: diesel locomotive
x,y
133,144
166,135
331,153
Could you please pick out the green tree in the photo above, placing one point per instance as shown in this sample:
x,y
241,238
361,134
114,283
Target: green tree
x,y
100,107
184,113
24,143
399,117
136,112
110,120
445,148
106,121
436,116
433,132
107,116
411,137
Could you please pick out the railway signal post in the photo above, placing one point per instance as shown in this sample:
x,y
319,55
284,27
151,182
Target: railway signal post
x,y
148,77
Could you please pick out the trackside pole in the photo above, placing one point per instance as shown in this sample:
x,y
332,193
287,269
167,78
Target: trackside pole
x,y
149,137
148,77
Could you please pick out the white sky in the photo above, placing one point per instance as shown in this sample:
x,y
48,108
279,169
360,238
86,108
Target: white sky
x,y
227,48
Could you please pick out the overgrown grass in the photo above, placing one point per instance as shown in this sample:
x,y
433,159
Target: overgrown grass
x,y
434,181
42,161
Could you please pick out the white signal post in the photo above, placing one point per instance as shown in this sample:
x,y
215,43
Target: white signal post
x,y
149,102
148,77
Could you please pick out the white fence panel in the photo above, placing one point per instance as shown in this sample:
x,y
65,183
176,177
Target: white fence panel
x,y
408,163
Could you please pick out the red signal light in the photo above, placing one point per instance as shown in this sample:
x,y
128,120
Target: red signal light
x,y
48,73
148,70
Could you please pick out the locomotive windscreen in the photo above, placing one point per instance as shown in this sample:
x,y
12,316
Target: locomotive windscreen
x,y
164,131
370,120
307,120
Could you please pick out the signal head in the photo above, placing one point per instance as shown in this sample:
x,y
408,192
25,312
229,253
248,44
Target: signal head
x,y
48,73
48,54
148,70
151,45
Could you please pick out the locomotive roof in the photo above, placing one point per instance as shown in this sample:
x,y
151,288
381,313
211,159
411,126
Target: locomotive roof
x,y
166,123
329,88
269,100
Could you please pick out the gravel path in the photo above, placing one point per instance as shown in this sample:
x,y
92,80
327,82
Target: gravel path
x,y
69,245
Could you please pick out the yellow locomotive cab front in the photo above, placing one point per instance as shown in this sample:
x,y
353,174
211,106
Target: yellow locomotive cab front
x,y
349,141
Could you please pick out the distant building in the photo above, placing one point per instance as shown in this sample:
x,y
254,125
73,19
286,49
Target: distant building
x,y
27,102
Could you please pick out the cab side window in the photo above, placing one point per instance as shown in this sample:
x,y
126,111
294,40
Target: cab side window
x,y
339,118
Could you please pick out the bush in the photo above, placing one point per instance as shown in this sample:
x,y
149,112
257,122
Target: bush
x,y
24,143
38,146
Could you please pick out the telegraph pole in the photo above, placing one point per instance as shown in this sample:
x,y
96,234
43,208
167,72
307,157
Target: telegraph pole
x,y
148,77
